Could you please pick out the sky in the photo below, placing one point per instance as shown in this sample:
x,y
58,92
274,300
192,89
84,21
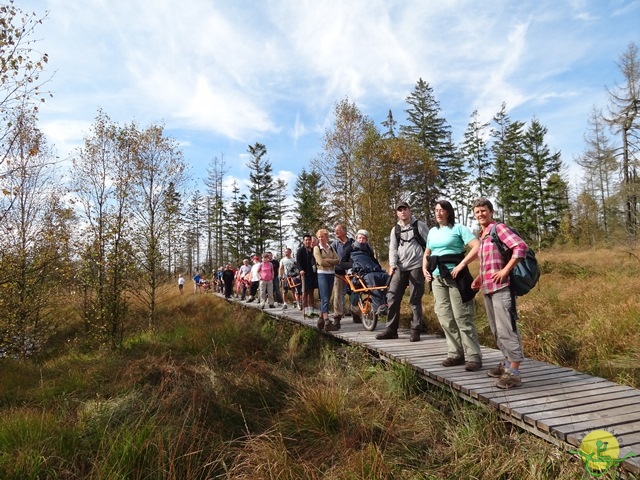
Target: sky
x,y
223,75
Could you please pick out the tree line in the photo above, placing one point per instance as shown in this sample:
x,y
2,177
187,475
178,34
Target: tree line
x,y
99,241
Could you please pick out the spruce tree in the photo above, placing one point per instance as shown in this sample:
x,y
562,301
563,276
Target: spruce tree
x,y
309,213
509,168
475,152
261,208
236,226
548,203
433,134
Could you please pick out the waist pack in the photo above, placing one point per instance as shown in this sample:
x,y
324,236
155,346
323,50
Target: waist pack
x,y
526,273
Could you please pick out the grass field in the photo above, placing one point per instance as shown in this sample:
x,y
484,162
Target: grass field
x,y
221,392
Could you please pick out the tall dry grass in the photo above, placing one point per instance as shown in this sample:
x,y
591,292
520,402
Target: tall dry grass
x,y
217,391
584,313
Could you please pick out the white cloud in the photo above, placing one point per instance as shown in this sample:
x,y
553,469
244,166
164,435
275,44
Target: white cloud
x,y
243,71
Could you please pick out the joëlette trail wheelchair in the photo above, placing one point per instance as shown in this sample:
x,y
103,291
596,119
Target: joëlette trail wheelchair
x,y
357,286
294,283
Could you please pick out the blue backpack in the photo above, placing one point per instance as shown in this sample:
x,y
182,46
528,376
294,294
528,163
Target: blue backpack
x,y
526,273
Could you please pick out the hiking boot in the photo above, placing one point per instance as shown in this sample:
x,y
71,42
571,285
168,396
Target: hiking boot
x,y
320,323
330,327
452,362
415,336
336,321
387,335
272,306
496,372
509,380
472,366
347,314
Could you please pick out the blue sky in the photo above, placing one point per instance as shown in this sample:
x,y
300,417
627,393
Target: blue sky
x,y
221,75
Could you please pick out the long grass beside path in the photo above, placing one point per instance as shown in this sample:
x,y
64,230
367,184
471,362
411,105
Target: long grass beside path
x,y
221,392
584,313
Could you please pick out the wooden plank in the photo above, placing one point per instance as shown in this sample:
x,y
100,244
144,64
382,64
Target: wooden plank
x,y
621,425
564,399
604,409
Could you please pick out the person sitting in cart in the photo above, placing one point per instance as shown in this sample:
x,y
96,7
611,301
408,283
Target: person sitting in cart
x,y
359,258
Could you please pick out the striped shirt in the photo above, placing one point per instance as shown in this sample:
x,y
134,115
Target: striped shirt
x,y
491,260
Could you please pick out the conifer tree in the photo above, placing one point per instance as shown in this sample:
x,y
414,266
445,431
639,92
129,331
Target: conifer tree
x,y
195,220
173,215
281,213
309,213
433,134
475,152
390,124
549,192
236,226
261,207
509,168
215,212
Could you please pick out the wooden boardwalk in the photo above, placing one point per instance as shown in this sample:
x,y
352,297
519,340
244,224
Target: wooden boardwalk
x,y
558,404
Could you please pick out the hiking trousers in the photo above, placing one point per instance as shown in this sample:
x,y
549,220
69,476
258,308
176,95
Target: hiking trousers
x,y
457,319
414,279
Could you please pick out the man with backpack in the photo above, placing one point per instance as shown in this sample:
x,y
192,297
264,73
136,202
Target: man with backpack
x,y
499,299
406,247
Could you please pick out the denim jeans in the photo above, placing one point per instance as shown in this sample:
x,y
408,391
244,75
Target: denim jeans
x,y
325,287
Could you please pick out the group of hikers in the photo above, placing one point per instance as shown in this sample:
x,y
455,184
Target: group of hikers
x,y
439,256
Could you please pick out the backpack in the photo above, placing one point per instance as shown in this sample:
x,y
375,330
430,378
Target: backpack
x,y
266,274
416,235
526,273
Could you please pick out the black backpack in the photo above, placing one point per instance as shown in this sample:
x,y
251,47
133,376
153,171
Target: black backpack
x,y
526,273
416,235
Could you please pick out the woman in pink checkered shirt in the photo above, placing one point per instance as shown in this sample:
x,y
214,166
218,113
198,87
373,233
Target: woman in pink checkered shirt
x,y
499,301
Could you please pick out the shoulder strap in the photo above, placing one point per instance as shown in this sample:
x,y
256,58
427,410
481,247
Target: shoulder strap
x,y
417,236
495,238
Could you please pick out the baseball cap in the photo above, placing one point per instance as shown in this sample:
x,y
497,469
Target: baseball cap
x,y
402,204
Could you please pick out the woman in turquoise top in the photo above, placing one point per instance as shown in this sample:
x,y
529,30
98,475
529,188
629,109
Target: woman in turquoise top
x,y
445,265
